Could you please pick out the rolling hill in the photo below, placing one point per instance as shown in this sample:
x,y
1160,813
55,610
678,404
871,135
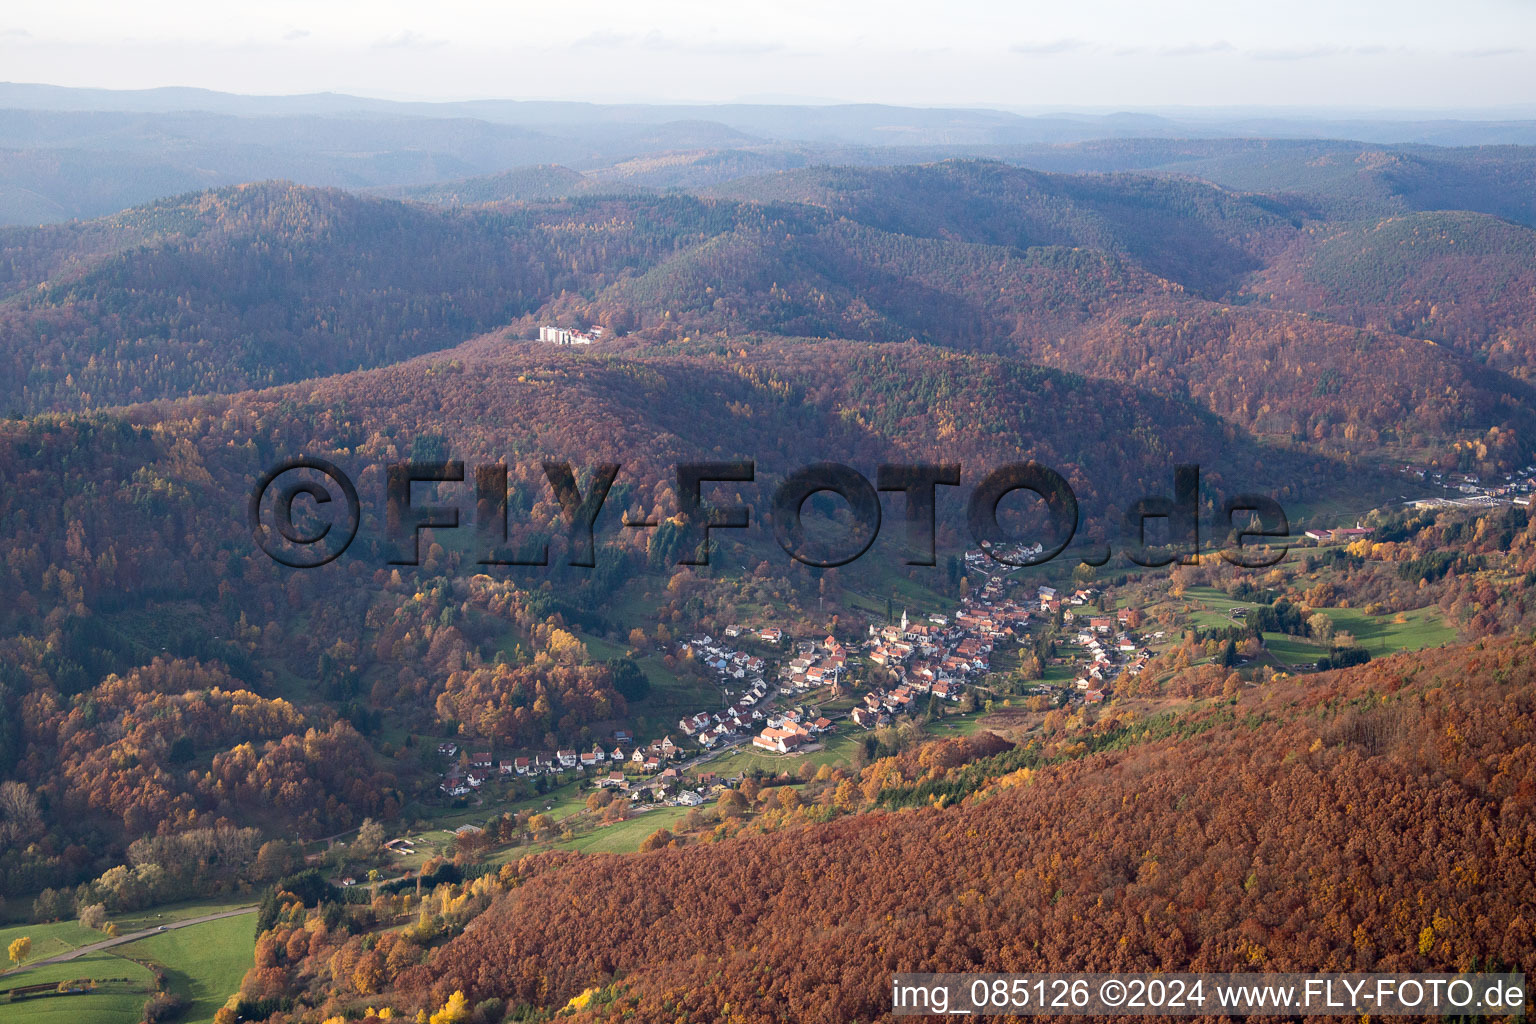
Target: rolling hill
x,y
1153,283
1463,279
1324,822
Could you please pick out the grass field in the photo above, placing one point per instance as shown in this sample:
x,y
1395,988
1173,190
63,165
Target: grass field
x,y
204,963
1291,651
63,936
1058,675
837,750
565,799
114,1002
1212,608
1380,634
625,836
957,725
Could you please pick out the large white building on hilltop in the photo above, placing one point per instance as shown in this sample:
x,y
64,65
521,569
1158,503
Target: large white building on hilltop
x,y
563,336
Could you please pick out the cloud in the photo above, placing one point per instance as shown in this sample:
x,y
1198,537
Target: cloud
x,y
1043,49
604,39
657,42
408,39
1177,50
14,33
1315,52
1195,49
1492,51
295,34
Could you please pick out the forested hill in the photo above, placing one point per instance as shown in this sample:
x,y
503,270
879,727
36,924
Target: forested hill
x,y
1377,819
243,287
130,564
1197,235
1158,284
182,466
1465,280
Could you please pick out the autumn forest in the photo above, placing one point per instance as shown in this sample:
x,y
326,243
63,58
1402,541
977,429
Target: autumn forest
x,y
704,781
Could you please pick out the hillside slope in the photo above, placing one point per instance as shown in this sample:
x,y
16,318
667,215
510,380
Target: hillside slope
x,y
1150,283
1319,824
1463,279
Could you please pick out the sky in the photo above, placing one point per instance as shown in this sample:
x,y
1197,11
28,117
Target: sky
x,y
1089,54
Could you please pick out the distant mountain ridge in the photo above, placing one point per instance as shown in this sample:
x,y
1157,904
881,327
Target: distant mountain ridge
x,y
82,153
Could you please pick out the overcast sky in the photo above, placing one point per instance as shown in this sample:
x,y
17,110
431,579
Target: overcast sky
x,y
1077,53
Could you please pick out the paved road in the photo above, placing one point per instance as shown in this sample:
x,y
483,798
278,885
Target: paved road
x,y
130,937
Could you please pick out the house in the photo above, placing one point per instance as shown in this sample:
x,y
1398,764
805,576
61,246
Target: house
x,y
448,749
482,759
589,759
565,337
567,758
521,765
779,740
771,635
616,755
508,767
688,798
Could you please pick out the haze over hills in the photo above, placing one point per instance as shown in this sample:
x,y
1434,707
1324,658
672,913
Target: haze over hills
x,y
81,153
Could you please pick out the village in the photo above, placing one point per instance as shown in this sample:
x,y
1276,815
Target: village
x,y
1471,490
786,695
796,700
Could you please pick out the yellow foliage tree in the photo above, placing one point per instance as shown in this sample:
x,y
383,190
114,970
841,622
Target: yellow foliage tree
x,y
454,1011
